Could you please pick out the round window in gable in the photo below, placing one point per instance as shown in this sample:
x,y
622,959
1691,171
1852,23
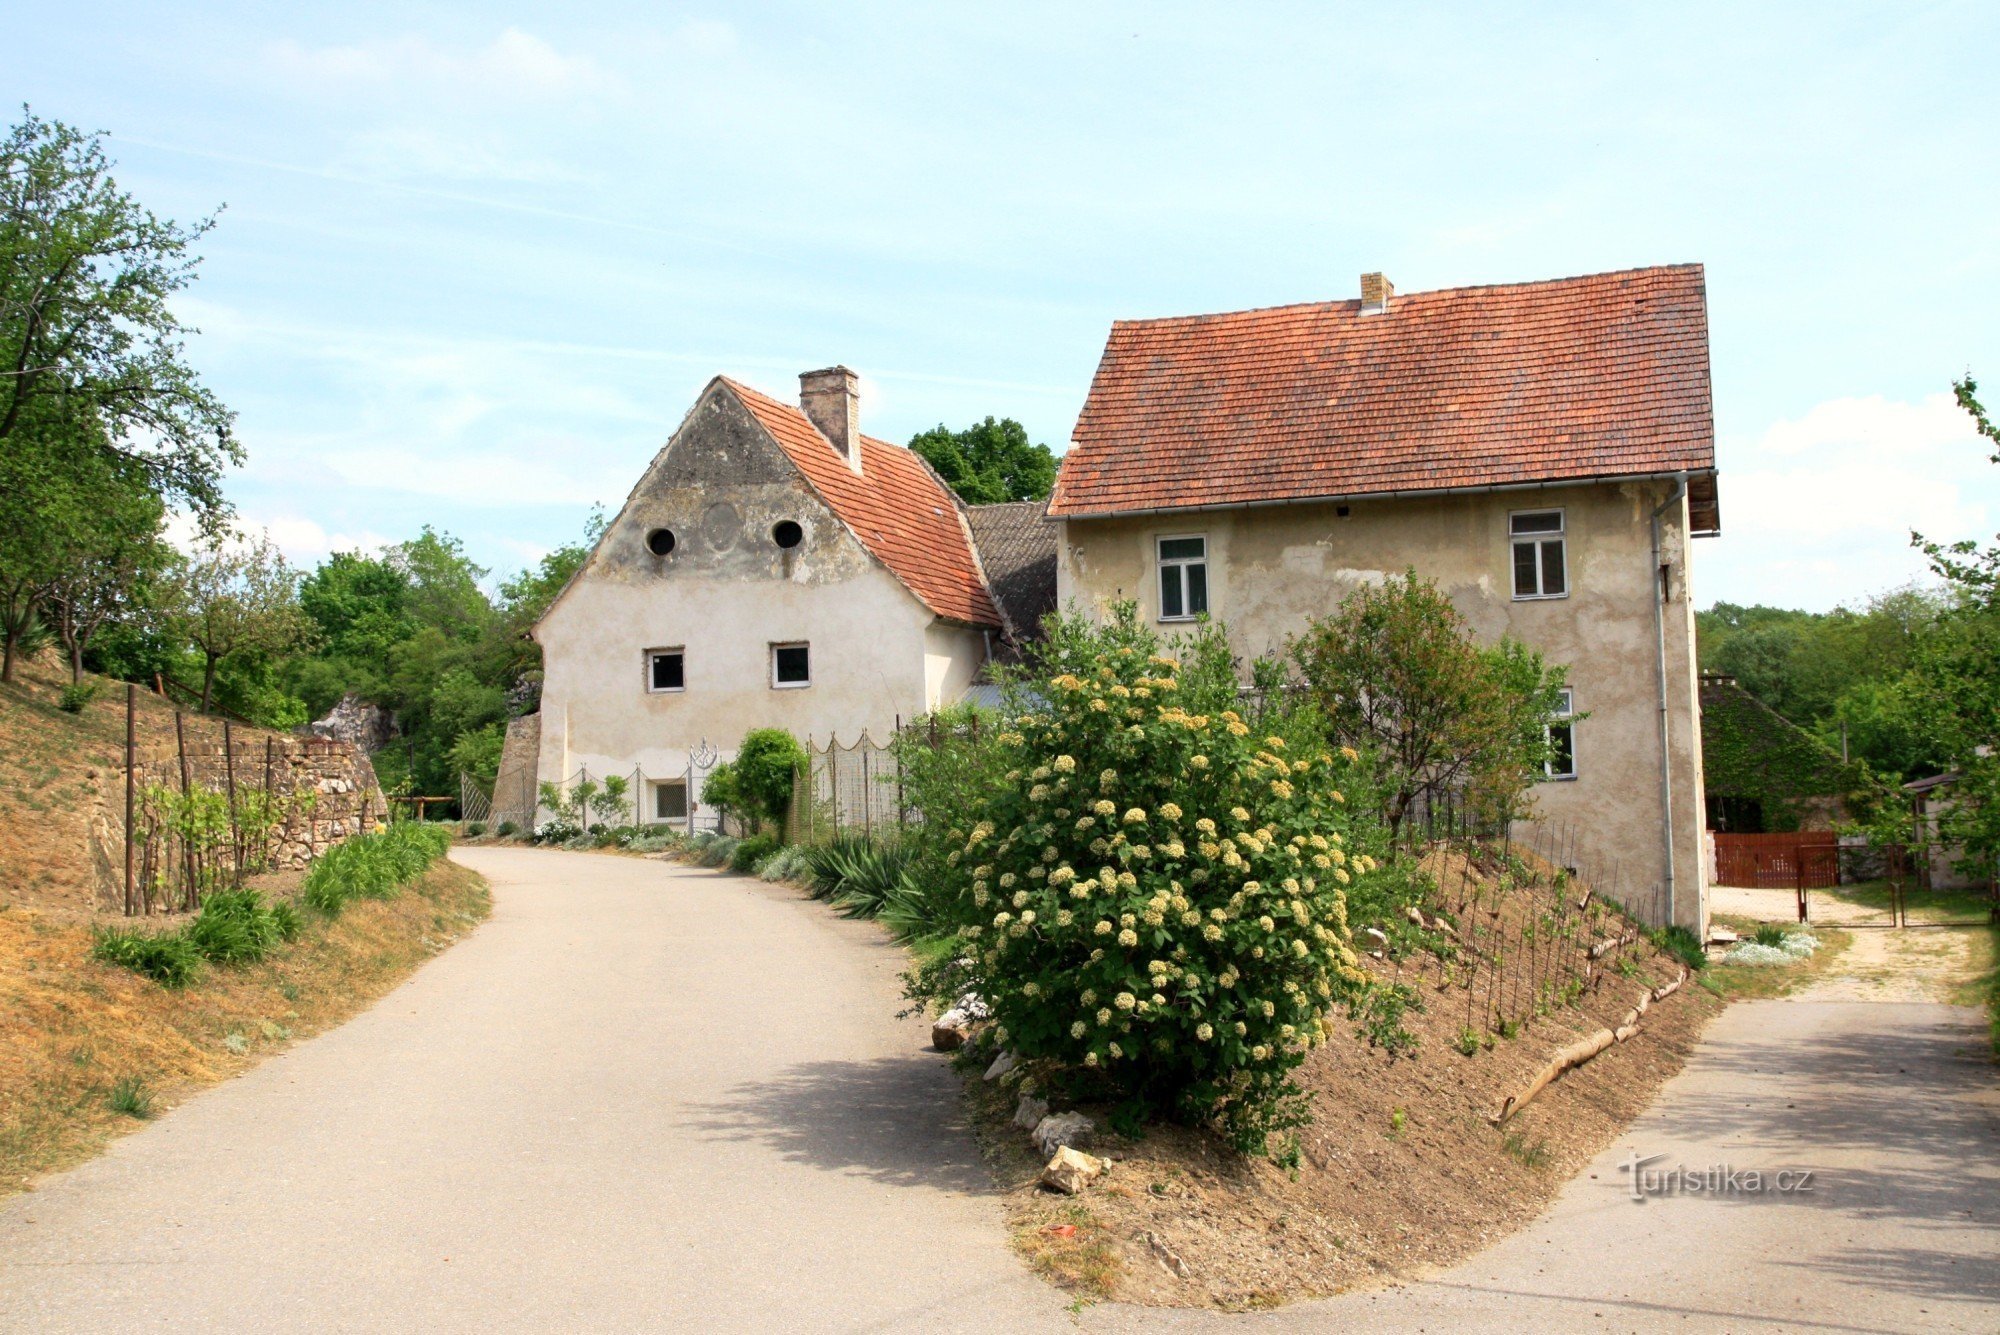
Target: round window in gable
x,y
660,541
787,534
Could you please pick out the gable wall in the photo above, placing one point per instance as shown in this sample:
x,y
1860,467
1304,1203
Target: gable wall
x,y
725,595
1272,569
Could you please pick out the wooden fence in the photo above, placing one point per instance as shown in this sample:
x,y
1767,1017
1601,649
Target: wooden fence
x,y
1801,860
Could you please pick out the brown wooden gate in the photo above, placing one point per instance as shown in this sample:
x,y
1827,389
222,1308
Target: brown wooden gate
x,y
1803,860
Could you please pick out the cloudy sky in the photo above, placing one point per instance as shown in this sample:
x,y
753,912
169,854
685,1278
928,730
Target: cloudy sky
x,y
477,259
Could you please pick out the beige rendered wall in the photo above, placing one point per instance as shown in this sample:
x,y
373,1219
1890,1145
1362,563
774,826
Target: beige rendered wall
x,y
724,596
1271,569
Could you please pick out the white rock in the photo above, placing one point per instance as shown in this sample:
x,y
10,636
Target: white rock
x,y
1375,933
1070,1171
973,1006
1168,1257
1002,1064
949,1031
1057,1130
1030,1111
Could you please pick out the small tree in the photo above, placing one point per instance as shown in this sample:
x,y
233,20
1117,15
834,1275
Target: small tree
x,y
236,599
1397,673
610,804
989,461
763,768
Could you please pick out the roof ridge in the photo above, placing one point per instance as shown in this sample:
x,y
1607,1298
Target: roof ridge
x,y
1339,302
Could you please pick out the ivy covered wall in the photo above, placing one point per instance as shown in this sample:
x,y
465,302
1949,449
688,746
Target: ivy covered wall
x,y
1764,771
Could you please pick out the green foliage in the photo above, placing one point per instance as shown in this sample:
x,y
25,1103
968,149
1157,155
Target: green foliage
x,y
168,958
1749,752
717,852
373,866
764,768
234,927
1397,674
1681,943
988,462
1769,934
614,802
235,599
789,863
1155,903
722,791
129,1097
76,696
751,851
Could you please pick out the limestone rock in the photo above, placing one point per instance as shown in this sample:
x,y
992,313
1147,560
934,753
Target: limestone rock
x,y
1030,1111
356,722
1168,1257
1002,1064
950,1030
1070,1171
1059,1130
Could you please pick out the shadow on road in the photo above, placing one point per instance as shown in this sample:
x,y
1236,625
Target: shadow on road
x,y
893,1119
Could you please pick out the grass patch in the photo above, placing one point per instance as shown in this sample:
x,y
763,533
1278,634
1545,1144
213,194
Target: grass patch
x,y
1075,1251
1527,1153
1745,982
168,958
130,1098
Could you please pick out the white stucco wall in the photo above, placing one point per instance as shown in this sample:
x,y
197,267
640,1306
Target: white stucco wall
x,y
1272,569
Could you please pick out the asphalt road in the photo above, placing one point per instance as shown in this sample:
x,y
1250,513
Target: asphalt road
x,y
640,1097
644,1097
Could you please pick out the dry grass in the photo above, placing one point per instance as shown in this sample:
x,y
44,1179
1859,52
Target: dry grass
x,y
74,1033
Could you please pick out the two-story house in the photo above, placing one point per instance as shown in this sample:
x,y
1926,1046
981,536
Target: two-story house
x,y
1543,451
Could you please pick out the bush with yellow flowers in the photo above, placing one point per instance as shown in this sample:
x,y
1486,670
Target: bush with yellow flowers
x,y
1152,886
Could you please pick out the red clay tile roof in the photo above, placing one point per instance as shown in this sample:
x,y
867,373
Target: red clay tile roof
x,y
897,506
1594,377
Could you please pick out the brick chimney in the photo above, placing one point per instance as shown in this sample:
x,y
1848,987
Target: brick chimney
x,y
1375,293
832,399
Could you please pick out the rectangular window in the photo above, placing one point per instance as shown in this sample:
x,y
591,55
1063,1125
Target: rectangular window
x,y
1561,732
664,670
1183,578
791,665
1540,569
670,800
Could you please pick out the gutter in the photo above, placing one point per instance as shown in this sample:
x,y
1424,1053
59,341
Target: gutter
x,y
1681,477
1660,637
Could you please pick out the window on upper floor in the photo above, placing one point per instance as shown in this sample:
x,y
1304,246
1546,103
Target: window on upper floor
x,y
1541,567
665,670
1183,578
791,665
1561,733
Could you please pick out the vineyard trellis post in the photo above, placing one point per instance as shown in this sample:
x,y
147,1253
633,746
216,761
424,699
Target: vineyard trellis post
x,y
131,784
187,785
229,779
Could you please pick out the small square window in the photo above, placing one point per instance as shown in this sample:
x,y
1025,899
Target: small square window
x,y
670,800
665,670
1541,567
791,665
1561,733
1183,578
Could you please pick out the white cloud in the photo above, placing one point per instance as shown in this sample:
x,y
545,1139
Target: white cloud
x,y
511,65
426,154
1818,510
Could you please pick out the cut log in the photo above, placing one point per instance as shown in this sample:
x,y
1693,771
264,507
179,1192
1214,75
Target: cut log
x,y
1603,948
1666,990
1576,1054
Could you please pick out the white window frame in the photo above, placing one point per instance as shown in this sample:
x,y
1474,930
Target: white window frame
x,y
777,685
1178,565
660,787
652,654
1534,540
1565,718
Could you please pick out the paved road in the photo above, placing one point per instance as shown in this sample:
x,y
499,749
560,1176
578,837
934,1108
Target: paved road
x,y
640,1097
645,1098
1895,1110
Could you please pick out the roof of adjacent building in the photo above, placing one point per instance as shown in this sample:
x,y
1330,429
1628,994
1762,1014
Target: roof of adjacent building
x,y
896,505
1574,379
1017,548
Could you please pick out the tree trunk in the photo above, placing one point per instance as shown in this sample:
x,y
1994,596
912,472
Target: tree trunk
x,y
13,636
207,681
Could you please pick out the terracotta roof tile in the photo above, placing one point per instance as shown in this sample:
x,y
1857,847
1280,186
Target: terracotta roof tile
x,y
1600,376
896,506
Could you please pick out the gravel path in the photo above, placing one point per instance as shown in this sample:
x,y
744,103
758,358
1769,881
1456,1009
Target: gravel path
x,y
641,1097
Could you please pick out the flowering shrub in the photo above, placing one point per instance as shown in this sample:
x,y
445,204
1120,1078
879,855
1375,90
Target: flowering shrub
x,y
1153,886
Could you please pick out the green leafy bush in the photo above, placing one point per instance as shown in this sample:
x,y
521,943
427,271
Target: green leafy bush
x,y
373,866
474,829
76,696
1156,888
763,769
787,864
168,958
507,829
752,851
717,851
1682,944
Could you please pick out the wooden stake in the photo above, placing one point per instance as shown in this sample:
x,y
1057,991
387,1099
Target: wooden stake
x,y
229,772
190,898
131,783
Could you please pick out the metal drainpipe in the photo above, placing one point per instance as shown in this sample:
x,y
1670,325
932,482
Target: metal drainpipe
x,y
1660,638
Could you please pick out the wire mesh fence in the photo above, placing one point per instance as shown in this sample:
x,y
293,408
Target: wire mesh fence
x,y
851,788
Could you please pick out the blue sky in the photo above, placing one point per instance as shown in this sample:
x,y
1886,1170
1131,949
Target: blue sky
x,y
477,260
